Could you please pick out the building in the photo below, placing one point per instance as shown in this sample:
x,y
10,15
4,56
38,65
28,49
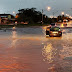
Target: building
x,y
6,18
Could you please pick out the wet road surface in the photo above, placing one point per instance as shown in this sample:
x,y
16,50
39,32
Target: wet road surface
x,y
30,50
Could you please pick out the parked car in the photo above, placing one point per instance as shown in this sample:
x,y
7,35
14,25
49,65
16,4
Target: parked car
x,y
55,31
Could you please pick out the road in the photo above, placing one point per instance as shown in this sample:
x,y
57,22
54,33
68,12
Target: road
x,y
69,24
30,50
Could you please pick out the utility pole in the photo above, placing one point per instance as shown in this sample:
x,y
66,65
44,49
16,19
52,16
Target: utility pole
x,y
42,16
0,20
53,15
48,8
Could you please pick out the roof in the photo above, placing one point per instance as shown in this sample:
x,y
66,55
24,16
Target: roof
x,y
7,15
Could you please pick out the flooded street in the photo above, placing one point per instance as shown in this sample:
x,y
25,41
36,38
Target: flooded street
x,y
30,50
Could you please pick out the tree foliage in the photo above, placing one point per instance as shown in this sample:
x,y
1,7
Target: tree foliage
x,y
31,16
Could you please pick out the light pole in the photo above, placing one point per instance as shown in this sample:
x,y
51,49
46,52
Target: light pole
x,y
48,8
42,16
53,20
54,13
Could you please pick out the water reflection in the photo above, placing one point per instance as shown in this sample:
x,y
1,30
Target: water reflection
x,y
61,25
14,38
25,52
47,52
52,54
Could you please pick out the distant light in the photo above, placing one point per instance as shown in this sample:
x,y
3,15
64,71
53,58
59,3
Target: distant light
x,y
13,27
16,22
45,16
67,14
42,43
51,16
13,12
48,8
61,25
16,16
62,13
70,17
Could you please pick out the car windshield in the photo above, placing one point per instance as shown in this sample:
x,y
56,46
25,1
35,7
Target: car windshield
x,y
53,24
55,29
64,21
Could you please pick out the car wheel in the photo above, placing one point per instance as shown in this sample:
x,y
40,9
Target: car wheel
x,y
60,35
50,35
47,32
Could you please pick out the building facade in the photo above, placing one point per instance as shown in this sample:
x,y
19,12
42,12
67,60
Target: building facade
x,y
6,19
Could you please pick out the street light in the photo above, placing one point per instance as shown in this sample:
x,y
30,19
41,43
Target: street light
x,y
48,8
62,13
67,15
14,13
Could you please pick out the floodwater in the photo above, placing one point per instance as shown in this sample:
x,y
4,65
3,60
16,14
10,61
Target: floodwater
x,y
30,50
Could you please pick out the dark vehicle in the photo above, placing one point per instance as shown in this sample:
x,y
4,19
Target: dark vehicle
x,y
55,31
47,30
52,25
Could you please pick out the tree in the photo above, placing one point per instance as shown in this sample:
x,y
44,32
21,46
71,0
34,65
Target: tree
x,y
31,15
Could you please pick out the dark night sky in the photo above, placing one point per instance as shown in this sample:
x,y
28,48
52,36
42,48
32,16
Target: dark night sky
x,y
8,6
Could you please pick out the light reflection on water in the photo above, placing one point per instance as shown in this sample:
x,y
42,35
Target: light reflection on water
x,y
19,53
47,51
52,50
14,38
55,51
22,51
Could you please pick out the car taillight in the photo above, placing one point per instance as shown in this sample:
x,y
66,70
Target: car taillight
x,y
50,25
59,31
55,25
